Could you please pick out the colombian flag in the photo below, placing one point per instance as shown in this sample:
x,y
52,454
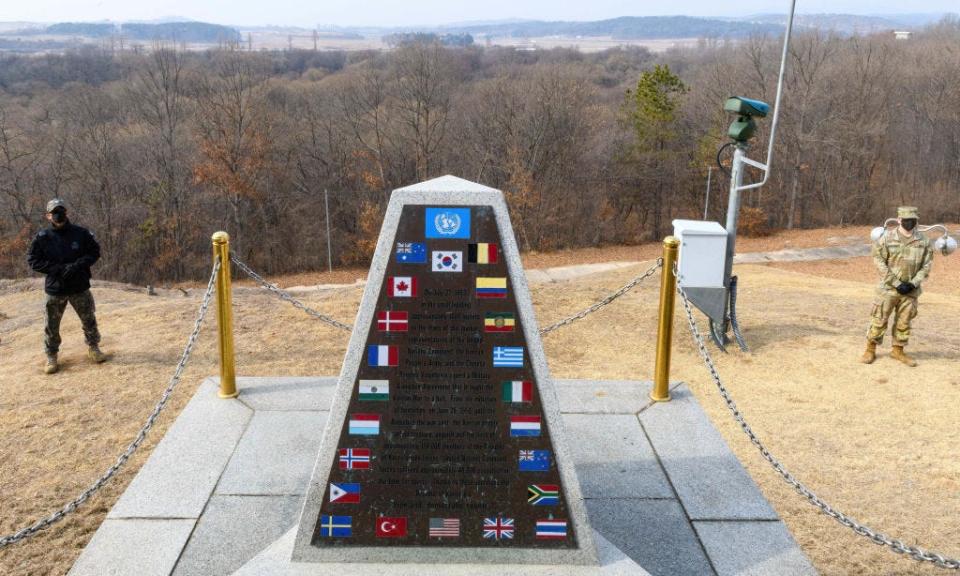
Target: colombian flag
x,y
491,287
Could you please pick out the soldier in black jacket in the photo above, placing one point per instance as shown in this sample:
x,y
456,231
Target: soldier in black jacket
x,y
65,252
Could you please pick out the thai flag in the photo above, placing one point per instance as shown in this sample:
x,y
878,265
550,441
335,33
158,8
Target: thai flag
x,y
551,529
382,356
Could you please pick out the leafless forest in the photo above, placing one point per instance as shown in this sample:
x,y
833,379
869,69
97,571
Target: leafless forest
x,y
155,151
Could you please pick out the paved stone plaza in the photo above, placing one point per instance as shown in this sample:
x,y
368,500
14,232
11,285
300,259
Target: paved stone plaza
x,y
228,480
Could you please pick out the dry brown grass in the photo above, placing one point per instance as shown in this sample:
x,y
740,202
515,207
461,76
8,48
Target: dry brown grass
x,y
878,441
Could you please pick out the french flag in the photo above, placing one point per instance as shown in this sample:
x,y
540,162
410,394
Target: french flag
x,y
382,356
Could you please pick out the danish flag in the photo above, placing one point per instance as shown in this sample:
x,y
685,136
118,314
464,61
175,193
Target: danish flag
x,y
388,321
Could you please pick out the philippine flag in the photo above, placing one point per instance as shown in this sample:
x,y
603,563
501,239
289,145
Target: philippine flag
x,y
382,355
524,425
551,529
402,286
344,493
364,424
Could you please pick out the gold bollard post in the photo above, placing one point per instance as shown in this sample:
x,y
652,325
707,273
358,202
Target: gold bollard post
x,y
668,289
228,374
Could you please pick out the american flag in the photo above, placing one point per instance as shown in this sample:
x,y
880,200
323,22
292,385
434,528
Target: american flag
x,y
498,528
444,527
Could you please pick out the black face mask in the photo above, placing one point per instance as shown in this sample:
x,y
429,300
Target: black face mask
x,y
908,224
59,217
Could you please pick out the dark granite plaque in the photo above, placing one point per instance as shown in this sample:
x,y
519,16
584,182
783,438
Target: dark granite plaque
x,y
445,443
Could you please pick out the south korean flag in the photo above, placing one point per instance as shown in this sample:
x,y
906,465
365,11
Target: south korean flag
x,y
447,261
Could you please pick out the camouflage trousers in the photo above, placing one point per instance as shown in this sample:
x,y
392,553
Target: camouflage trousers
x,y
902,308
85,307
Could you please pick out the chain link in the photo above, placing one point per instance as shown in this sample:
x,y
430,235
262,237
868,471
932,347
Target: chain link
x,y
878,538
141,435
287,297
587,311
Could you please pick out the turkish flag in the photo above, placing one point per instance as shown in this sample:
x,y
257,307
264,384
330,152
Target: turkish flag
x,y
391,526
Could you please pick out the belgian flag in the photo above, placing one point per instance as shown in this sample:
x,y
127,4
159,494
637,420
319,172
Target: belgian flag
x,y
482,253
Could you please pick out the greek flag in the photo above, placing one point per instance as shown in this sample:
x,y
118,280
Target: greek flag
x,y
508,356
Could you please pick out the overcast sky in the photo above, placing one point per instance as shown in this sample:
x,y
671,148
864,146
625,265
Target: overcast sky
x,y
428,12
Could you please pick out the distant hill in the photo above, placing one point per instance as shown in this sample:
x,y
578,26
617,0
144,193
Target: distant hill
x,y
200,32
91,29
626,28
842,23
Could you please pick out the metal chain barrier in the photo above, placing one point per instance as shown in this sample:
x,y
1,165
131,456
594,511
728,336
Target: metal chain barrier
x,y
287,297
141,435
623,290
897,546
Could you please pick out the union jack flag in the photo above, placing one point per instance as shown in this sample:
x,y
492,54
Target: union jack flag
x,y
498,528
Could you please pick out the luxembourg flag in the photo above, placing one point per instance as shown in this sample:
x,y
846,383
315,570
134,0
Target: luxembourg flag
x,y
365,424
382,356
524,425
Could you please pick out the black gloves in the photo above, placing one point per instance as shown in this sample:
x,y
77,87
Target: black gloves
x,y
905,288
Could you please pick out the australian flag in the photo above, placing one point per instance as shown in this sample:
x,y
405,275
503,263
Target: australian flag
x,y
534,460
411,253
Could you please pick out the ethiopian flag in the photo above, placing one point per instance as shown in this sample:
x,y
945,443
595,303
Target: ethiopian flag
x,y
499,322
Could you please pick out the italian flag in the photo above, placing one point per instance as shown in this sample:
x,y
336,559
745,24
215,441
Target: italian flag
x,y
518,391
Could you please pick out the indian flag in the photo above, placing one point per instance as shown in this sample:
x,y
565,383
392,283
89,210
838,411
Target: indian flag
x,y
375,390
518,391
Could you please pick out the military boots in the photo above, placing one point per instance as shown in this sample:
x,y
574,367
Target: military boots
x,y
870,354
51,367
96,355
898,354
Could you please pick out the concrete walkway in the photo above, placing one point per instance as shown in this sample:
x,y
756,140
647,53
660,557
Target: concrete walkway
x,y
227,481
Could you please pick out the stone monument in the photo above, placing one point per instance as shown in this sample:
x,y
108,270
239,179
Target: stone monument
x,y
445,432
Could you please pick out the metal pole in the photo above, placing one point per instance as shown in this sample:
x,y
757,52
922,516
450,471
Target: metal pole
x,y
733,209
706,203
326,207
668,289
228,373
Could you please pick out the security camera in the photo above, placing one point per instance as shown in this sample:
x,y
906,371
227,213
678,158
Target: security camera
x,y
744,127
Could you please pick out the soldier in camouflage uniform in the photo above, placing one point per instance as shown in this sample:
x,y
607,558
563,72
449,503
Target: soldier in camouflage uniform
x,y
904,257
65,252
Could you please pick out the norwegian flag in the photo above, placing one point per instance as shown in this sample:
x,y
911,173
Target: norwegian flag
x,y
388,321
402,286
354,458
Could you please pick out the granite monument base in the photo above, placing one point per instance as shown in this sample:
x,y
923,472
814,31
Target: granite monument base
x,y
227,482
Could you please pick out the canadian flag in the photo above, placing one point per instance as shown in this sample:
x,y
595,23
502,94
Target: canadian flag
x,y
402,286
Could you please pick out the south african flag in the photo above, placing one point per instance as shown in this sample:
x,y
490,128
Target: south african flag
x,y
543,494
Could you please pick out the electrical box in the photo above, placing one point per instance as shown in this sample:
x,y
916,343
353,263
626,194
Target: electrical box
x,y
703,252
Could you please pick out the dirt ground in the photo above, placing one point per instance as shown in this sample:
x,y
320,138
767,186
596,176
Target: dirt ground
x,y
879,441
